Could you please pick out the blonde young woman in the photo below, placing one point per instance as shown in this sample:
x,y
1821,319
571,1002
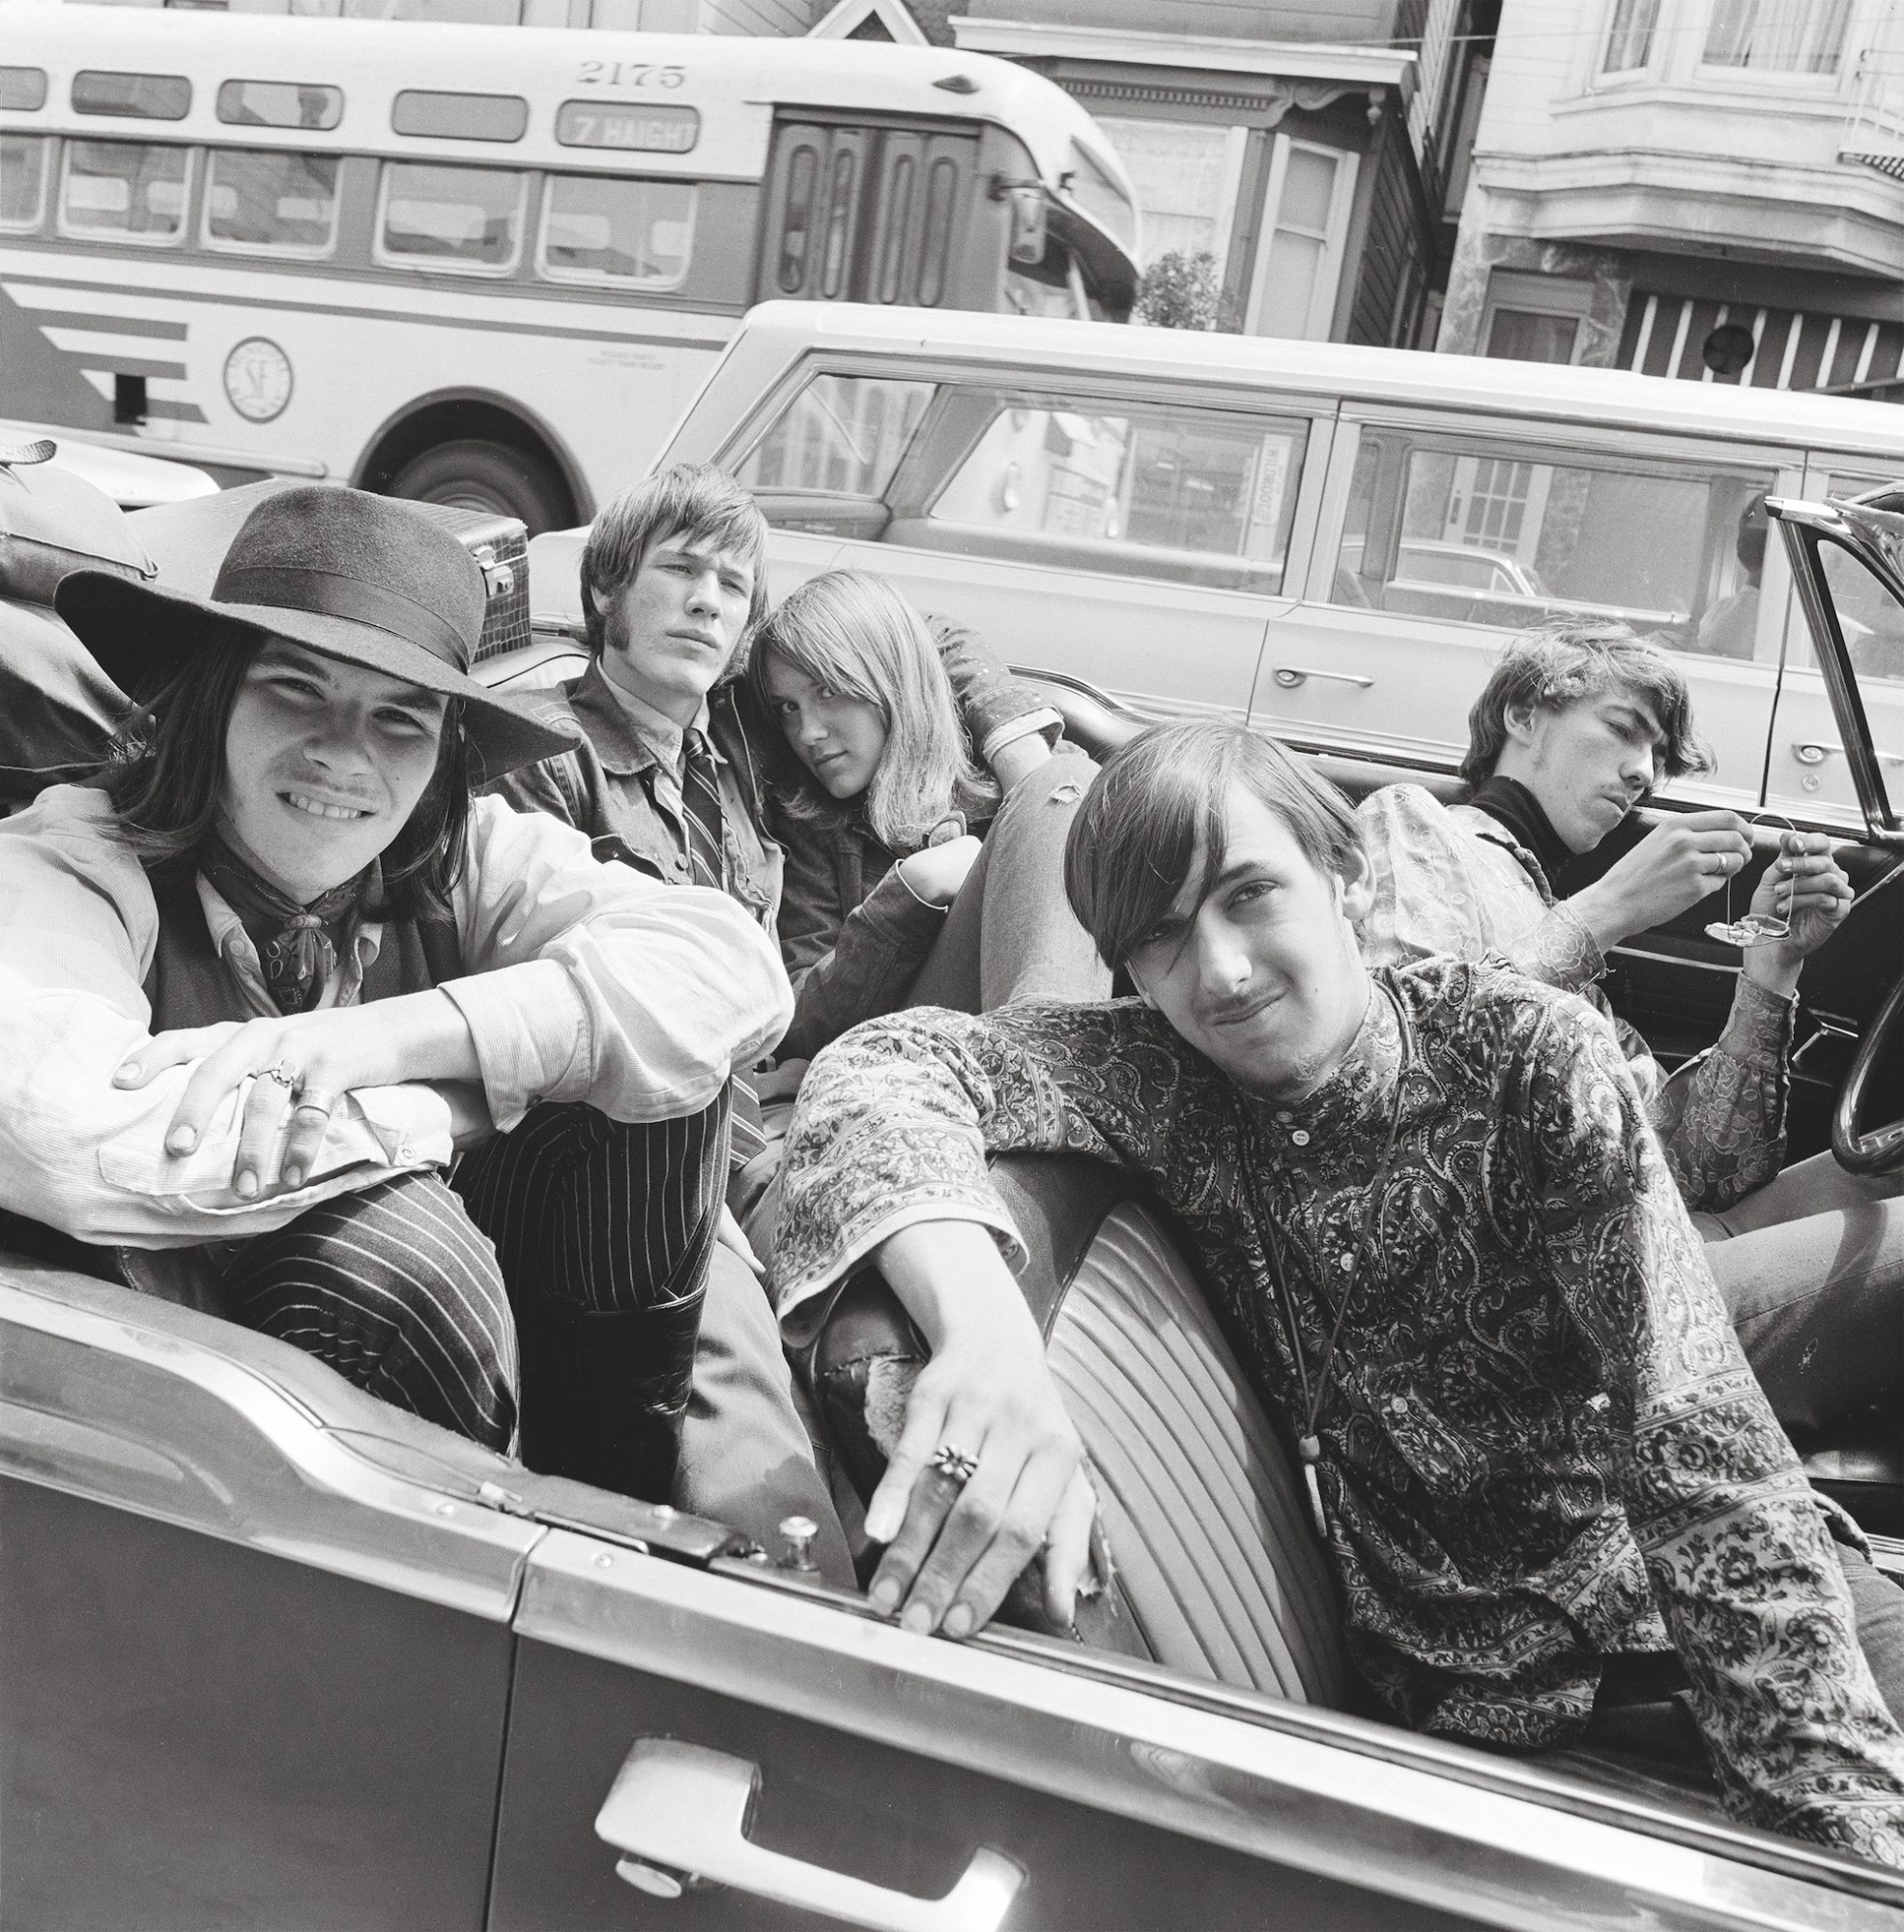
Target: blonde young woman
x,y
920,869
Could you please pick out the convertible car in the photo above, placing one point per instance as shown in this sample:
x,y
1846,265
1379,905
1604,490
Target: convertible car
x,y
276,1655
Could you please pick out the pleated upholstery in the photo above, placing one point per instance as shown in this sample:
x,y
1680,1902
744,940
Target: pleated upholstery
x,y
1208,1524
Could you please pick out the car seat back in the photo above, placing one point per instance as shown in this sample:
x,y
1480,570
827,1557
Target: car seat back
x,y
1218,1569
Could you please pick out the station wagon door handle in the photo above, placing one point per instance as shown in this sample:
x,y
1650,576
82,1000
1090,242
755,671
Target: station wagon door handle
x,y
1814,751
1293,677
680,1812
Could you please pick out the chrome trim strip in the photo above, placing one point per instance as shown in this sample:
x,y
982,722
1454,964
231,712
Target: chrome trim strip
x,y
135,1416
1361,1820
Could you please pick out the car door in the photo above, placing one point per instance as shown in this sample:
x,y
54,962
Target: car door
x,y
816,1767
1134,538
248,1678
1397,629
1807,760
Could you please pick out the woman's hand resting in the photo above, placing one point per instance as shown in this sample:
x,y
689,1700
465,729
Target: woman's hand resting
x,y
938,874
953,1548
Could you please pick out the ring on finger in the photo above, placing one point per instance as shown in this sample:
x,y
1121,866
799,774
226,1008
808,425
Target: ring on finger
x,y
285,1075
316,1100
953,1464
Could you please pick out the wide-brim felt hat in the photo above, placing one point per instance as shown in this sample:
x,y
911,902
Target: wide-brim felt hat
x,y
358,577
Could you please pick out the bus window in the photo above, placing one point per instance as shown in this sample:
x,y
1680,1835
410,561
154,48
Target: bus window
x,y
142,97
278,204
22,180
1192,495
462,220
460,117
279,104
1046,287
597,229
127,190
843,435
935,235
1487,533
22,89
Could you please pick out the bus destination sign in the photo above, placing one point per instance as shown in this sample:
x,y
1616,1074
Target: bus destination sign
x,y
644,130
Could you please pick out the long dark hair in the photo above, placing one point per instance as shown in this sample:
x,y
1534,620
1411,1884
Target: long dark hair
x,y
168,765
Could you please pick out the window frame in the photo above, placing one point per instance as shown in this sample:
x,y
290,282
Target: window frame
x,y
46,143
126,237
1558,445
1320,320
289,251
1258,421
600,277
447,265
1744,75
1525,294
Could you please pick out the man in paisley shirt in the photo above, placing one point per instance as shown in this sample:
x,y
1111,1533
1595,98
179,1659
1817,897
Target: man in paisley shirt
x,y
1579,720
1449,1250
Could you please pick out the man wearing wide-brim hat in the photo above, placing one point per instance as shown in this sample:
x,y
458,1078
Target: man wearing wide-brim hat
x,y
270,966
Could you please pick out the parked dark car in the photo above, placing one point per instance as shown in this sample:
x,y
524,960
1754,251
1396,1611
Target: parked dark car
x,y
275,1655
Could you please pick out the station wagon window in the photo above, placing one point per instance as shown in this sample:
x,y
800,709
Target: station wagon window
x,y
1487,533
843,436
1130,489
279,104
278,204
639,234
22,89
22,180
463,220
132,189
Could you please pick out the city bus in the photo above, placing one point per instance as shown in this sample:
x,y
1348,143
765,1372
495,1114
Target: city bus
x,y
488,266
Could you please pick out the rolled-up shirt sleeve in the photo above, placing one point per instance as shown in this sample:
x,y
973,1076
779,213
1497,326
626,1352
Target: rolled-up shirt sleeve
x,y
77,930
594,982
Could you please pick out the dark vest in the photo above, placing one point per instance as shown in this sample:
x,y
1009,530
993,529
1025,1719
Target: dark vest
x,y
190,985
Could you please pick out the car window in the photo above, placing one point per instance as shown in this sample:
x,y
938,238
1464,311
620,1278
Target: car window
x,y
467,219
133,190
1127,489
280,204
841,436
1475,532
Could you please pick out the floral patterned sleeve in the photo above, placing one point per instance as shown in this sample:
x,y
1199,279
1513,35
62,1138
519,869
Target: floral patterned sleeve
x,y
1722,1114
895,1119
1736,1545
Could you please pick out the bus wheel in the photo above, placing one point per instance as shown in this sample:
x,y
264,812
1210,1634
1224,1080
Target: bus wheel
x,y
477,475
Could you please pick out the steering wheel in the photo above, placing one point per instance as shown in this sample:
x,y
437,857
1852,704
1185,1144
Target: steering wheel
x,y
1882,1149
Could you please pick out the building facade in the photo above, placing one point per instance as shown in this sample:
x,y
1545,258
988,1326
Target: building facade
x,y
1292,159
1708,189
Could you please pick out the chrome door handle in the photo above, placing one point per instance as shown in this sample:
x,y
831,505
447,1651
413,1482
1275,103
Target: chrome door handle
x,y
680,1812
1293,677
1817,751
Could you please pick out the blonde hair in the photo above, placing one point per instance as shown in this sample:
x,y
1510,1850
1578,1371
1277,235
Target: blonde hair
x,y
852,632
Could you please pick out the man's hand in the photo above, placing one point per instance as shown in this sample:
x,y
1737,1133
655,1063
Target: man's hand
x,y
953,1550
1806,885
420,1036
936,874
1675,866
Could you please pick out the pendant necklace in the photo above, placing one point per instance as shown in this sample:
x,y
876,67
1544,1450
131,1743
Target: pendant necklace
x,y
1309,1445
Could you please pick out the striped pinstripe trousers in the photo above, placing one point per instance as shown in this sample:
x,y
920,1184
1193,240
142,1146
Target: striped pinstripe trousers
x,y
554,1287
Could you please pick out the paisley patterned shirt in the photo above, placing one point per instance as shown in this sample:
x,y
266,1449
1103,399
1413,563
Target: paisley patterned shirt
x,y
1541,1444
1452,879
